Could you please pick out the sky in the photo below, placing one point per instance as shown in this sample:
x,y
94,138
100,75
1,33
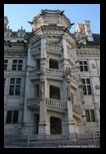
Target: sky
x,y
19,14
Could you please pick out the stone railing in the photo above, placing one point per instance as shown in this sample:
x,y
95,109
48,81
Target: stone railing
x,y
72,58
35,50
56,72
34,73
56,103
33,102
54,47
77,109
74,79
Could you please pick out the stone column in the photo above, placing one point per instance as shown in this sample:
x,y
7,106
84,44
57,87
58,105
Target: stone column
x,y
97,115
82,123
29,93
44,128
71,123
43,46
65,55
64,46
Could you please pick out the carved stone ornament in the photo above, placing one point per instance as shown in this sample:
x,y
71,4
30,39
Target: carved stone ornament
x,y
42,78
42,70
68,93
83,101
97,87
68,72
93,66
42,89
80,38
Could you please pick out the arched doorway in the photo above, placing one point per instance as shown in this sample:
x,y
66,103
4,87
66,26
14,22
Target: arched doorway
x,y
55,125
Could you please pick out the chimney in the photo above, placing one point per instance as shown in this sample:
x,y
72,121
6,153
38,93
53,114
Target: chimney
x,y
5,22
88,31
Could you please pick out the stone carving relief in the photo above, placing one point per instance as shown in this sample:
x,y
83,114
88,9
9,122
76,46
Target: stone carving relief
x,y
97,87
93,65
68,92
42,70
82,96
42,91
80,37
68,71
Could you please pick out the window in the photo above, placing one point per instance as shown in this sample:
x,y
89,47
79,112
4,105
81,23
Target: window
x,y
15,84
17,65
53,64
83,66
90,116
86,86
12,117
5,64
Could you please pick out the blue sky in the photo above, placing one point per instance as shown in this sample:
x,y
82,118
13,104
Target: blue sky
x,y
19,14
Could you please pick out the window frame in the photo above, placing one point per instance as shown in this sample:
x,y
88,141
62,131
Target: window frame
x,y
83,66
5,64
86,86
91,118
12,117
16,65
14,86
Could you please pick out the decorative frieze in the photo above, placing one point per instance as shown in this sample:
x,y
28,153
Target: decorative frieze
x,y
14,49
85,51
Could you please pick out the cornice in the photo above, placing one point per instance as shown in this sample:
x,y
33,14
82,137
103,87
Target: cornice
x,y
88,51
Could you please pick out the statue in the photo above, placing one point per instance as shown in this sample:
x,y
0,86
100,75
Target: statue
x,y
68,93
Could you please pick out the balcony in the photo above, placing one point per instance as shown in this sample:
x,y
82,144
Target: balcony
x,y
77,111
74,82
33,103
34,74
54,73
72,59
54,49
56,105
35,51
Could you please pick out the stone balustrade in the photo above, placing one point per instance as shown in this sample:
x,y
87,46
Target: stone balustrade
x,y
77,109
48,71
33,102
72,58
56,72
74,79
54,47
56,103
33,51
34,73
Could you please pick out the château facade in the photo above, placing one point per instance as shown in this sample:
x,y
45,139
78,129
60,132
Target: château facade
x,y
51,77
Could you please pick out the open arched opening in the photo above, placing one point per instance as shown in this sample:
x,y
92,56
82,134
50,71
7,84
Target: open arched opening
x,y
54,92
55,125
53,63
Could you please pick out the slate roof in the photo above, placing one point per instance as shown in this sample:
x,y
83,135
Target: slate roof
x,y
96,40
